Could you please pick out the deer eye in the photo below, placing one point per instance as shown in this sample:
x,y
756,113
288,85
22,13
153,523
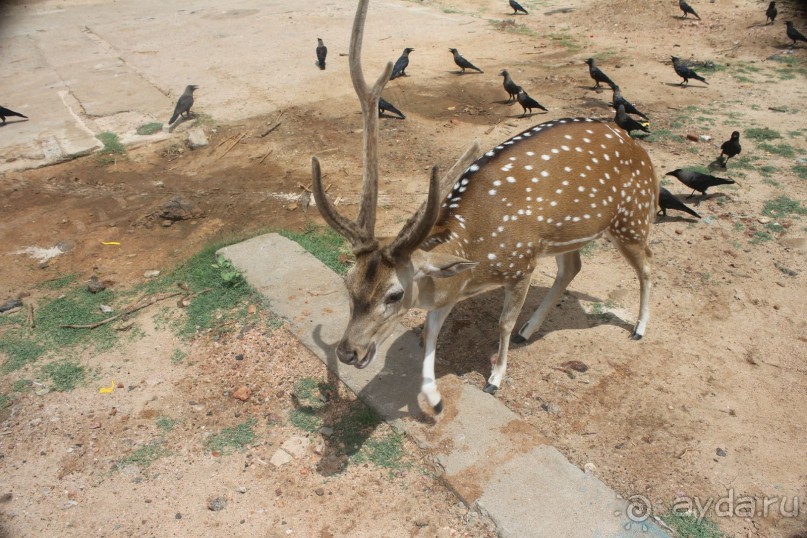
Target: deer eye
x,y
394,297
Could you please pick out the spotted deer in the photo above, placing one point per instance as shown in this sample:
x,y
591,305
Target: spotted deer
x,y
547,191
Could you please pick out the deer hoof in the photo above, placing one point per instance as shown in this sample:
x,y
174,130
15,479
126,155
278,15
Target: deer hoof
x,y
517,339
636,336
438,408
490,389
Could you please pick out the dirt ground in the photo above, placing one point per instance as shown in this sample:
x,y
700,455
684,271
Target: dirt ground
x,y
710,404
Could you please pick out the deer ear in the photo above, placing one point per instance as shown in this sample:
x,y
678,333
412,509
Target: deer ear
x,y
443,265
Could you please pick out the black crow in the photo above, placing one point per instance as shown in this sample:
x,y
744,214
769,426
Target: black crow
x,y
462,63
685,72
668,200
322,52
399,69
184,104
697,181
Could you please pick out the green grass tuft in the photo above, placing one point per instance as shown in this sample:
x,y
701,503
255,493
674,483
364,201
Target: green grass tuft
x,y
782,207
690,526
150,128
64,375
800,170
166,424
19,351
237,437
22,385
386,451
143,457
761,237
59,283
227,299
512,27
783,149
762,133
663,134
326,245
112,144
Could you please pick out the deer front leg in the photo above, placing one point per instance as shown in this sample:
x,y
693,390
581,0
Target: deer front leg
x,y
514,295
569,265
434,322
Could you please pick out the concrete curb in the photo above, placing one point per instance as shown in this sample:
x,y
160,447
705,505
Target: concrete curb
x,y
492,459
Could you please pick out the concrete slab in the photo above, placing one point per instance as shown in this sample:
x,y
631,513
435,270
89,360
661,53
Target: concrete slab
x,y
492,459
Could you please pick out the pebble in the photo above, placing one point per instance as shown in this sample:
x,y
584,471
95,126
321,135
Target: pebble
x,y
720,452
106,309
151,274
297,446
95,285
326,431
217,504
242,393
320,492
241,489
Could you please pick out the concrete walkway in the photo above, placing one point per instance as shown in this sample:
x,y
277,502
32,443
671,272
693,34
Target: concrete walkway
x,y
491,459
77,68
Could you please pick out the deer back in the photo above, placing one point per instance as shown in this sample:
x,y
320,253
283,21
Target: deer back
x,y
548,190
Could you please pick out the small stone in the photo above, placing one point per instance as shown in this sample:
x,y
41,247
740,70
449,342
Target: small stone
x,y
251,309
242,393
705,138
239,357
720,452
297,446
280,458
177,516
95,285
678,231
589,468
106,309
241,489
216,504
197,138
320,492
152,273
693,137
326,431
42,391
95,425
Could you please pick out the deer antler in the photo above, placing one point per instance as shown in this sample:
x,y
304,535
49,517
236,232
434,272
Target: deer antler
x,y
418,226
361,232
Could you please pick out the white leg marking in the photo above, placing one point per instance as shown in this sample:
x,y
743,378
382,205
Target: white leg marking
x,y
434,322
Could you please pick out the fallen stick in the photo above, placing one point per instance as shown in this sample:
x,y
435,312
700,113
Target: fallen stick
x,y
265,156
240,138
224,141
132,309
270,129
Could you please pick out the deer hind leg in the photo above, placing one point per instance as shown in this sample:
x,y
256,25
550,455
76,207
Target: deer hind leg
x,y
639,256
514,295
434,322
569,265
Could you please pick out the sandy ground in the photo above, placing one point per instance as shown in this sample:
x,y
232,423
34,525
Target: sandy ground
x,y
710,404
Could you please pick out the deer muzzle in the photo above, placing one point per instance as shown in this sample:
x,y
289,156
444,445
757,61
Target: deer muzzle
x,y
348,355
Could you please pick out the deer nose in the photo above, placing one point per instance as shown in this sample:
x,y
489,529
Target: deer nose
x,y
346,355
